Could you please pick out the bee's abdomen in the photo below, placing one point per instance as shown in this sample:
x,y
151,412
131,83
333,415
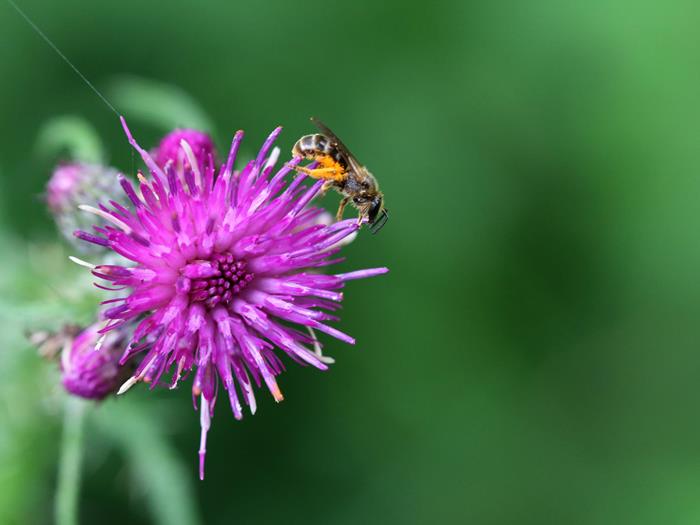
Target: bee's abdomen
x,y
311,146
314,146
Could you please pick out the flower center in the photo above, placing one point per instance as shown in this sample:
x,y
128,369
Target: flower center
x,y
230,278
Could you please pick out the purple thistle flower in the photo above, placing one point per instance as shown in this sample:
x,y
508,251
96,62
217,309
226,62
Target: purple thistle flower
x,y
90,363
225,263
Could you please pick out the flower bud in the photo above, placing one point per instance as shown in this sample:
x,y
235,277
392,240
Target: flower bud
x,y
170,149
74,184
89,369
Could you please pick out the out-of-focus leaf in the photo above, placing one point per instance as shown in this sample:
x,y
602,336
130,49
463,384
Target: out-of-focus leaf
x,y
27,425
41,288
162,105
164,481
71,133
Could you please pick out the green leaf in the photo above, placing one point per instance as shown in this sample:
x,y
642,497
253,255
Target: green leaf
x,y
71,133
162,105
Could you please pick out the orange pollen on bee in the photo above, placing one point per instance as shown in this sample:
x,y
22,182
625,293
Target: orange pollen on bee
x,y
327,169
326,161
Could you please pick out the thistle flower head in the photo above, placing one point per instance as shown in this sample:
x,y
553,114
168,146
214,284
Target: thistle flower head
x,y
90,363
74,184
224,276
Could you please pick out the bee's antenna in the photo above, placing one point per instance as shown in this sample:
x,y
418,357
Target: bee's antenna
x,y
381,222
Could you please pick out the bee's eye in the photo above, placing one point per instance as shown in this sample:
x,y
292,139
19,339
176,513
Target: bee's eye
x,y
357,200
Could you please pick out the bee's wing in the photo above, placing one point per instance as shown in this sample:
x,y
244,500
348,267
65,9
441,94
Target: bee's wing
x,y
354,164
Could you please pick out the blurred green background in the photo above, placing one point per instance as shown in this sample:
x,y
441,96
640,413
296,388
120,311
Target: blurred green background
x,y
533,356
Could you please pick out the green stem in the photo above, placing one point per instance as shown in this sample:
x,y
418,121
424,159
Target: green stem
x,y
68,489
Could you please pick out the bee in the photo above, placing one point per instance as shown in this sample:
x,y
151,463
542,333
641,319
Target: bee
x,y
343,173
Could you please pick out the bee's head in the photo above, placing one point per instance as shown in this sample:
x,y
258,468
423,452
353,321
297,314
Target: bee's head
x,y
371,205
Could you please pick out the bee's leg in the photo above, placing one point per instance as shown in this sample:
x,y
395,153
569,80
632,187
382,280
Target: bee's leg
x,y
330,174
361,217
300,169
341,207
